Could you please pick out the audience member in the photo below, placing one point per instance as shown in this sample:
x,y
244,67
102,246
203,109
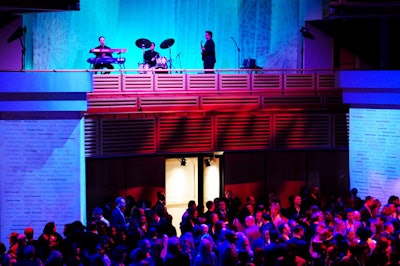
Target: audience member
x,y
364,235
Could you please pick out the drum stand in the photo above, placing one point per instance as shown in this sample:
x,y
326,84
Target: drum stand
x,y
170,58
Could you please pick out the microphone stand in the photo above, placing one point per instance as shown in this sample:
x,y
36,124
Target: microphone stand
x,y
23,48
238,50
180,62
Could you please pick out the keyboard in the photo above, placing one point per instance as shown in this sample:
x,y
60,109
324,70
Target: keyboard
x,y
106,50
106,60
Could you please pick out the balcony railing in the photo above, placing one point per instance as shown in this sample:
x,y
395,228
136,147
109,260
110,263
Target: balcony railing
x,y
168,90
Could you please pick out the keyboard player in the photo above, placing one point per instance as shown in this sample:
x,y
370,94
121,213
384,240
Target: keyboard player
x,y
101,65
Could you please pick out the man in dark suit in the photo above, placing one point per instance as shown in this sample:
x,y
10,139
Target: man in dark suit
x,y
160,207
300,242
275,250
366,210
208,52
227,250
117,216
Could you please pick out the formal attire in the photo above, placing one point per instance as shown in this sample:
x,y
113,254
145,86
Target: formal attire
x,y
208,55
118,220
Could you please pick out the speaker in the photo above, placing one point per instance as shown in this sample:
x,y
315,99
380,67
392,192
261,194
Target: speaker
x,y
249,63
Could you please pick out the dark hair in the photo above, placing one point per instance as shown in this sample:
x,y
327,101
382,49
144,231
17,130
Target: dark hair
x,y
209,33
101,37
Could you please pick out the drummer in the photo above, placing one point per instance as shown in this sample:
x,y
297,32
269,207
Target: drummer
x,y
150,56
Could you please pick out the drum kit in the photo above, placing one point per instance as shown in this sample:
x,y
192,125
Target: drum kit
x,y
161,62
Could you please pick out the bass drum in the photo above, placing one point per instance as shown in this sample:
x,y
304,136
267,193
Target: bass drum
x,y
143,68
161,62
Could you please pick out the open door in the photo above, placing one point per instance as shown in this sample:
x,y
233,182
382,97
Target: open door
x,y
183,183
180,187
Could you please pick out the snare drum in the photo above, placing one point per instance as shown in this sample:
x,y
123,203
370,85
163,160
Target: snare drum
x,y
161,62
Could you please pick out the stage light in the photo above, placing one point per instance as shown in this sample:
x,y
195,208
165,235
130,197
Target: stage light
x,y
183,161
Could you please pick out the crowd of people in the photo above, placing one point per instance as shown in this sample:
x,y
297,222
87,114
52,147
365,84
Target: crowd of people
x,y
347,230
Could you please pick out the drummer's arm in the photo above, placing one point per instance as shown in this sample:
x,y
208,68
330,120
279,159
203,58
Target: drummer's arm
x,y
155,57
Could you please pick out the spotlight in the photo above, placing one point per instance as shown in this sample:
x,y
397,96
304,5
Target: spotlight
x,y
183,161
207,162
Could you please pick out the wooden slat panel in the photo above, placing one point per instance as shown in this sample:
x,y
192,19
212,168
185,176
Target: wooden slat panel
x,y
302,131
91,137
169,82
267,83
106,83
112,103
243,132
128,136
139,82
185,134
224,102
341,130
234,82
169,103
294,101
326,83
299,83
203,82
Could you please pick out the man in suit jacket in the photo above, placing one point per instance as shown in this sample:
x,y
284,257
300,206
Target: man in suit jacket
x,y
227,250
208,52
117,216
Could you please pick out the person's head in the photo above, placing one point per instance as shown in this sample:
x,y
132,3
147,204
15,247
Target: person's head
x,y
97,213
315,190
230,236
174,245
13,237
49,228
394,199
152,46
120,203
369,201
265,233
161,196
297,200
250,221
298,230
209,35
28,232
210,205
102,40
205,247
214,218
192,204
228,194
222,205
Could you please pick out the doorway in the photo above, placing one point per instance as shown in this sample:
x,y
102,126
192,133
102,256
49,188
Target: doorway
x,y
190,178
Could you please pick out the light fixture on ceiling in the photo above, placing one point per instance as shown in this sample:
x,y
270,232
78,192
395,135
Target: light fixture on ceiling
x,y
207,162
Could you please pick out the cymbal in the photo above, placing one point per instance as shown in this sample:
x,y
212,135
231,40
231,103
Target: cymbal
x,y
167,43
143,43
